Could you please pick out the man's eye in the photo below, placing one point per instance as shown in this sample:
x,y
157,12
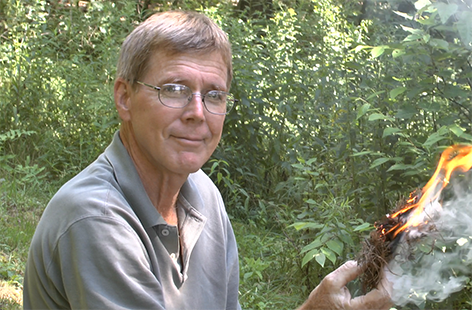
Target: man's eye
x,y
175,89
215,95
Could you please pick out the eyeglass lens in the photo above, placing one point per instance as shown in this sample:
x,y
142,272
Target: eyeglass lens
x,y
175,95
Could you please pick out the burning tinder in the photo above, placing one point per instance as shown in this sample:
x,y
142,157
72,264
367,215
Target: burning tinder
x,y
425,230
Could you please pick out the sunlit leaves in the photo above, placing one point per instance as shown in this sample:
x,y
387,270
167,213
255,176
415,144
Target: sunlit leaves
x,y
464,26
378,51
422,4
446,10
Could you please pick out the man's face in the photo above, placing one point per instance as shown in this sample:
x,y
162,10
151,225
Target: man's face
x,y
169,140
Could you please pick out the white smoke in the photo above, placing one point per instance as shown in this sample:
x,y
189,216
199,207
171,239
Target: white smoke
x,y
434,260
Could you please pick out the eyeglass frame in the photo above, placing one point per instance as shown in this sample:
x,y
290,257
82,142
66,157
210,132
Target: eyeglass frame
x,y
191,97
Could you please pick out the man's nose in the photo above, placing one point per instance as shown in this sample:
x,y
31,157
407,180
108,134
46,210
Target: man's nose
x,y
196,105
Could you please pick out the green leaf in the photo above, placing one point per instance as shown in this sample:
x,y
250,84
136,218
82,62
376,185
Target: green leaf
x,y
247,275
390,131
309,256
457,130
378,51
378,162
426,38
321,259
305,225
428,20
412,37
425,248
439,43
375,94
455,91
464,26
404,15
363,110
397,91
311,161
329,255
314,245
419,32
421,4
298,166
336,246
379,116
361,153
399,167
434,138
363,227
406,112
466,136
361,47
430,106
353,65
445,10
398,52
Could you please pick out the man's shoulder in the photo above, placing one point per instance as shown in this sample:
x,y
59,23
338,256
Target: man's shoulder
x,y
94,192
202,183
200,177
94,183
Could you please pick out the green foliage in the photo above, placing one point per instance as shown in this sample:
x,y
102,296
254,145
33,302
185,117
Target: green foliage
x,y
266,260
61,91
332,232
9,267
21,205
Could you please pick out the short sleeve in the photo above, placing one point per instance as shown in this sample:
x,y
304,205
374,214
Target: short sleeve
x,y
102,264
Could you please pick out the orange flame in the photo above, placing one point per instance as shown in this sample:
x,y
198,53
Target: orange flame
x,y
456,157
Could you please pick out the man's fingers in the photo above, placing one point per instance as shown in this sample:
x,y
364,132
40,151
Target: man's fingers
x,y
378,298
332,292
344,274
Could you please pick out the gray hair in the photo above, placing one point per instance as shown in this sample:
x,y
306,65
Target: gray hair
x,y
173,32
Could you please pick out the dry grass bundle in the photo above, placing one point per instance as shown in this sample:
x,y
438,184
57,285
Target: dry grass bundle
x,y
378,250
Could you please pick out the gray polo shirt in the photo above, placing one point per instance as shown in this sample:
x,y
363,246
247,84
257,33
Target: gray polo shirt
x,y
101,244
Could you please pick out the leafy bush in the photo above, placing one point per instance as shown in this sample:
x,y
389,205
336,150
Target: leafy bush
x,y
61,91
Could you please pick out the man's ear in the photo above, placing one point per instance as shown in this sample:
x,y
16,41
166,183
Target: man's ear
x,y
122,95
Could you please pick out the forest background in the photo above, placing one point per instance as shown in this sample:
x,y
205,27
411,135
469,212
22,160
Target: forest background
x,y
344,109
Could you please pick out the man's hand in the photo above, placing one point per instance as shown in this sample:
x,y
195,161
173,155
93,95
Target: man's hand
x,y
332,292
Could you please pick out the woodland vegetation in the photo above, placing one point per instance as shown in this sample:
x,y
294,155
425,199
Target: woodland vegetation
x,y
344,109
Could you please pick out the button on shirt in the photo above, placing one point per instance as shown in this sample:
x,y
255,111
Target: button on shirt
x,y
169,236
101,244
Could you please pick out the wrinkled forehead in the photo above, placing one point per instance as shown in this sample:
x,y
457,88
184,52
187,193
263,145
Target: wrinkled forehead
x,y
211,58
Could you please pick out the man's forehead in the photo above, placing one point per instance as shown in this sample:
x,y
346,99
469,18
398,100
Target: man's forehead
x,y
176,68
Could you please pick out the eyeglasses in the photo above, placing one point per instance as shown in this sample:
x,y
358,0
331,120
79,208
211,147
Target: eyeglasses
x,y
177,96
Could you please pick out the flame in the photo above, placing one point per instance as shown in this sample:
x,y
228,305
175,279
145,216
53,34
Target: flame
x,y
456,157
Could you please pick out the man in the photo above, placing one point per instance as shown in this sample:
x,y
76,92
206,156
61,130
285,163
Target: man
x,y
143,227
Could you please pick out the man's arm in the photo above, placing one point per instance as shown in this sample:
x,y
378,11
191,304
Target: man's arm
x,y
98,263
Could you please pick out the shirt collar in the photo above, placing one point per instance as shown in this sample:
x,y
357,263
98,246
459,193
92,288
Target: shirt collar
x,y
130,183
133,189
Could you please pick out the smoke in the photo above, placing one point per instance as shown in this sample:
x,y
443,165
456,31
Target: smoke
x,y
434,260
